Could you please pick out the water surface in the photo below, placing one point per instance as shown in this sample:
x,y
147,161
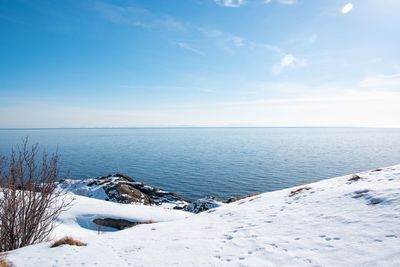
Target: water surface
x,y
195,162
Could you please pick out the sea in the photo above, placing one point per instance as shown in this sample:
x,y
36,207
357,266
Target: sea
x,y
222,162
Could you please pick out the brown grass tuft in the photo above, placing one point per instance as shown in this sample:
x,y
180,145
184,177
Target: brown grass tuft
x,y
298,191
4,263
354,178
67,241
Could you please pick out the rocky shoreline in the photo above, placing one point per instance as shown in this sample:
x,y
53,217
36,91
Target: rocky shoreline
x,y
121,188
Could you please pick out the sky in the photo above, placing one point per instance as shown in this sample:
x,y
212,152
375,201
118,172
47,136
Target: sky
x,y
141,63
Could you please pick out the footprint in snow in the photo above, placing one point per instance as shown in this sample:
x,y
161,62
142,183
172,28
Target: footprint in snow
x,y
308,260
360,193
228,237
391,236
375,200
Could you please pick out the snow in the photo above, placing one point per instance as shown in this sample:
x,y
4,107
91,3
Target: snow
x,y
78,220
81,188
335,222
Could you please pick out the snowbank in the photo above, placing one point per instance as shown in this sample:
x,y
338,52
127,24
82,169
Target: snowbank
x,y
78,220
336,222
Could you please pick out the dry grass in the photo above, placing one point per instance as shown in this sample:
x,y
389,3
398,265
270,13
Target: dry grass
x,y
67,241
298,191
354,178
4,263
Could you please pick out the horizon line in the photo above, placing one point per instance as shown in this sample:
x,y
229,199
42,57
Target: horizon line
x,y
183,127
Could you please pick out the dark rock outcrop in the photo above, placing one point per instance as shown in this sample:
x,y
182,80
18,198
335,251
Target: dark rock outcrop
x,y
203,204
119,224
126,193
121,188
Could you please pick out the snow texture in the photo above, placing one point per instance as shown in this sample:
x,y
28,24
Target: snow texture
x,y
335,222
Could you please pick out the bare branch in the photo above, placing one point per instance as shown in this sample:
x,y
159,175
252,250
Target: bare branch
x,y
30,201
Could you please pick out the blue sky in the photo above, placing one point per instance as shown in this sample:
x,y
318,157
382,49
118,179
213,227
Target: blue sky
x,y
199,63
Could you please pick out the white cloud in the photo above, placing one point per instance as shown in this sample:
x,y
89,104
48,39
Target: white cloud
x,y
237,40
138,17
347,8
287,2
288,61
188,47
225,41
230,3
283,2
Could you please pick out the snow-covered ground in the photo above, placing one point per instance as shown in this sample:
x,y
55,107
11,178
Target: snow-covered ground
x,y
78,220
334,222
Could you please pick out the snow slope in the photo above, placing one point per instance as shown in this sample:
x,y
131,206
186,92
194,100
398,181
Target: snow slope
x,y
78,220
334,222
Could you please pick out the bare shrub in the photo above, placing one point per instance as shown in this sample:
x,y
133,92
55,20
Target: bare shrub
x,y
30,202
67,241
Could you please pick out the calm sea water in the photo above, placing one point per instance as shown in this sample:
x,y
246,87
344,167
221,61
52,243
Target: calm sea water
x,y
195,162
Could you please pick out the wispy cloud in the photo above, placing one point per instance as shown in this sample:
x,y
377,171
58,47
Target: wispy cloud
x,y
229,42
347,8
310,40
230,3
225,41
288,61
382,82
190,48
283,2
138,17
287,2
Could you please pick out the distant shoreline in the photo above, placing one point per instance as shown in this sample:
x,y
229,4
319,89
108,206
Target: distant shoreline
x,y
202,127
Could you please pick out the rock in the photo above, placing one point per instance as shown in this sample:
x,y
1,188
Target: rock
x,y
354,178
121,188
119,224
126,177
236,198
203,204
125,193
